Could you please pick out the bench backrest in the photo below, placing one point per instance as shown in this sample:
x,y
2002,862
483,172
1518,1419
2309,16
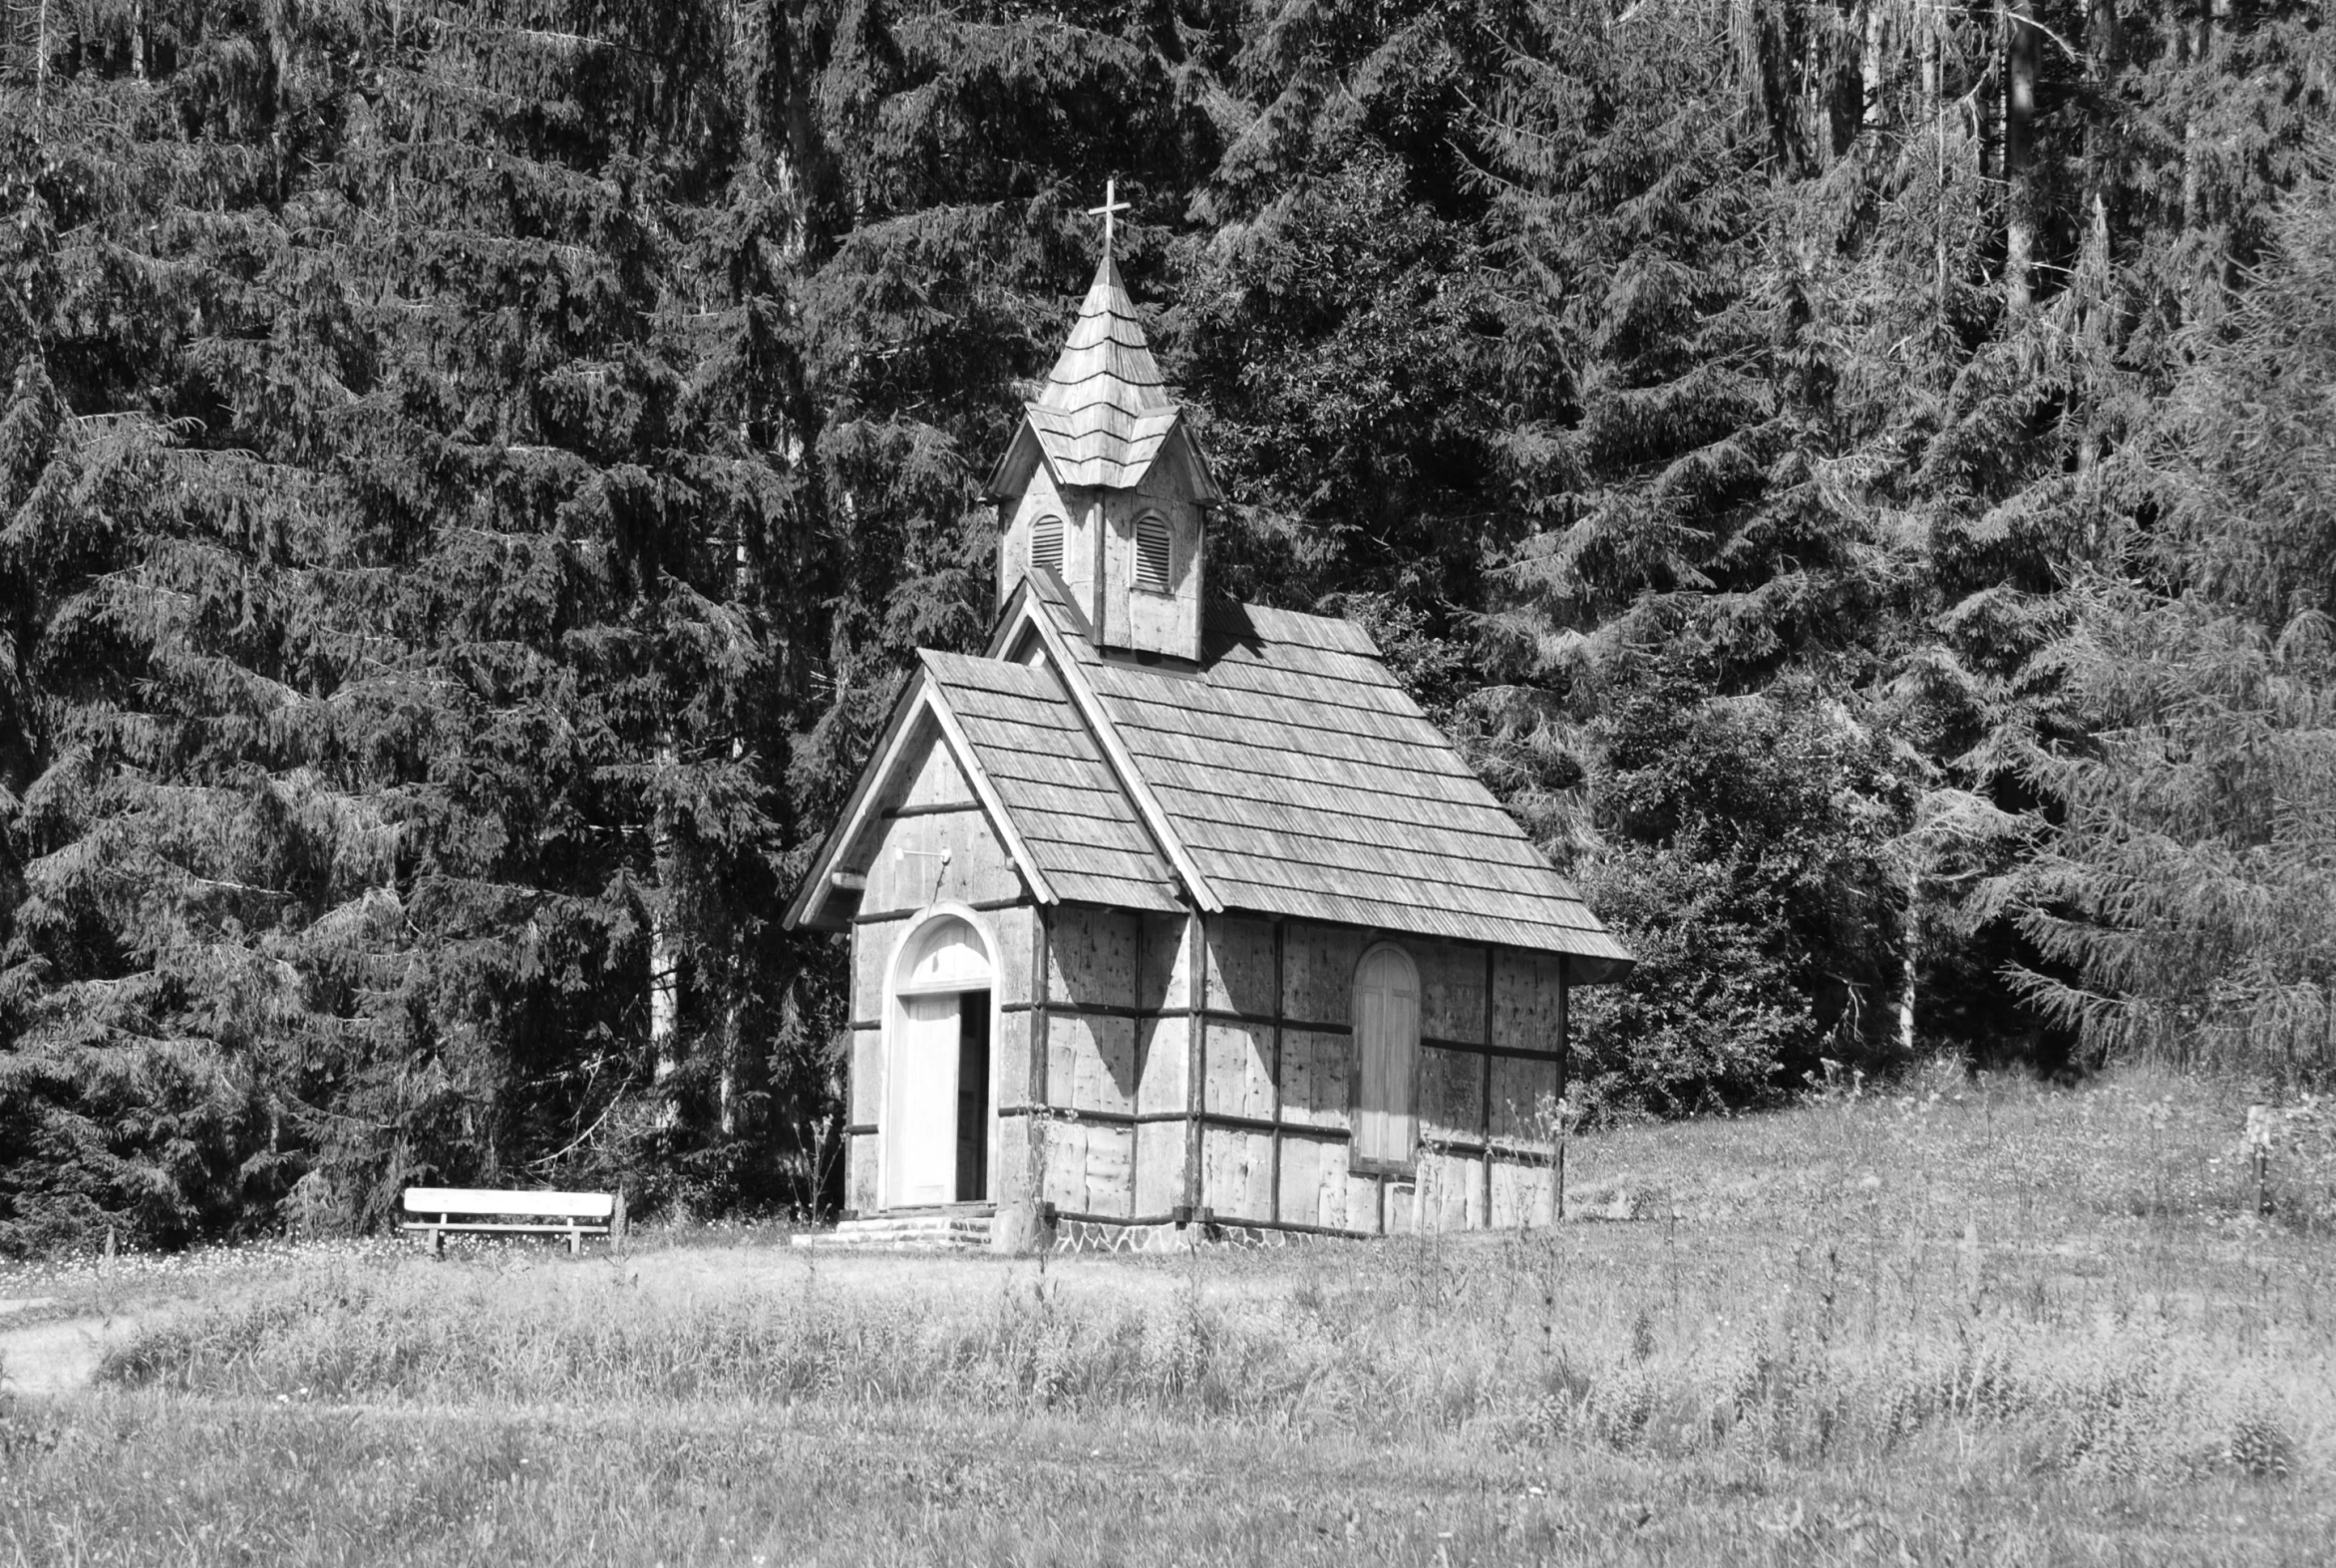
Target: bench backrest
x,y
475,1200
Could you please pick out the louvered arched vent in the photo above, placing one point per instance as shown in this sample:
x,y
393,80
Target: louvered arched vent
x,y
1046,545
1152,552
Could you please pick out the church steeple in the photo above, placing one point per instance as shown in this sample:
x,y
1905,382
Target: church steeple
x,y
1104,485
1106,387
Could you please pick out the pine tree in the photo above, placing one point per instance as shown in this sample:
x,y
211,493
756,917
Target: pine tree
x,y
2189,885
539,433
340,849
1704,455
472,478
1341,324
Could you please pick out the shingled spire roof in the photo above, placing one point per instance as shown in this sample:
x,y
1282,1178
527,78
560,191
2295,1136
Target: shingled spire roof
x,y
1106,364
1105,412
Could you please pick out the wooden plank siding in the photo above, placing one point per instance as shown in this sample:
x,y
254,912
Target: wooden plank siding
x,y
1144,1092
1235,1094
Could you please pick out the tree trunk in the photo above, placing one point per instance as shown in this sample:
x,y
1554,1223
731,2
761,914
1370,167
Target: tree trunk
x,y
40,66
2090,279
1911,961
2019,154
2200,45
664,951
728,1095
2101,65
1987,108
1934,115
1869,66
2213,17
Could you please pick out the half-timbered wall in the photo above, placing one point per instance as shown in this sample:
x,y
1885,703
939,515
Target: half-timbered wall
x,y
1237,1095
1129,1091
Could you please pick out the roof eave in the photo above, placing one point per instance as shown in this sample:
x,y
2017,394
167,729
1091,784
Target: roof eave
x,y
1031,450
985,790
1204,487
1584,970
1025,455
1008,618
804,908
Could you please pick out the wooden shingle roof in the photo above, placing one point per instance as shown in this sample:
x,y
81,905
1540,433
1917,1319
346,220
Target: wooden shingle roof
x,y
1105,362
1302,780
1071,812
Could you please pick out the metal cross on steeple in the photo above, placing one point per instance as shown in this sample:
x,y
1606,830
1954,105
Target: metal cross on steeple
x,y
1110,205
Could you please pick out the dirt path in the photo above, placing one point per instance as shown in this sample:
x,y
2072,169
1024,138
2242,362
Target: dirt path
x,y
58,1357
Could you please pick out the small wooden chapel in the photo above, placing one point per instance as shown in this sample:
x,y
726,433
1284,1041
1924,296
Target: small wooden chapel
x,y
1167,910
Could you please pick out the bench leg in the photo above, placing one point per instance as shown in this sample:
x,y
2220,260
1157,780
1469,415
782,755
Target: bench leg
x,y
575,1242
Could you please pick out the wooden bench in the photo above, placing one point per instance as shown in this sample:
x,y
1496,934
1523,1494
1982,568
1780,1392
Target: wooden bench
x,y
574,1215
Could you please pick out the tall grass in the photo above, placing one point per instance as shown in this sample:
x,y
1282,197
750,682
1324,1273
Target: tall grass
x,y
419,1334
1804,1380
1961,1323
2061,1274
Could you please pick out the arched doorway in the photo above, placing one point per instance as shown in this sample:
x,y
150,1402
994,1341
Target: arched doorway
x,y
938,1100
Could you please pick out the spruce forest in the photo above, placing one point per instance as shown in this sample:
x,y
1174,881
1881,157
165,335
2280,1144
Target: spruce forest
x,y
1858,478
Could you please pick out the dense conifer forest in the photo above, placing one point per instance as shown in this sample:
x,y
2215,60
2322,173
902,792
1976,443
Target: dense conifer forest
x,y
1860,478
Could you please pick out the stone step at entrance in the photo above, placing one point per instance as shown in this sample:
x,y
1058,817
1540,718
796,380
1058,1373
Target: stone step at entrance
x,y
960,1228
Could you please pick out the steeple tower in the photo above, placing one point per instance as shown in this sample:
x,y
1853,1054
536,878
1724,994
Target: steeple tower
x,y
1104,487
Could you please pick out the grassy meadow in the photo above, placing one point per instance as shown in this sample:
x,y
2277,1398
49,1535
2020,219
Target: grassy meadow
x,y
1987,1323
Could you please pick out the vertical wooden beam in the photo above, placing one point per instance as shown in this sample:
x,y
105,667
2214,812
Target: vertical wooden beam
x,y
854,949
1041,1021
1036,1125
1280,1007
851,1085
1486,1133
1100,522
1565,1024
1564,1064
1195,1049
1489,972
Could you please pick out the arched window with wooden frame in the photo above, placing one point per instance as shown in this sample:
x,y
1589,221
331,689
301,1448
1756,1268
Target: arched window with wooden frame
x,y
1386,1043
1155,554
1046,545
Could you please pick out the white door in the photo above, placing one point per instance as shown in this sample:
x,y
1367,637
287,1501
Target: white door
x,y
921,1140
1387,1024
